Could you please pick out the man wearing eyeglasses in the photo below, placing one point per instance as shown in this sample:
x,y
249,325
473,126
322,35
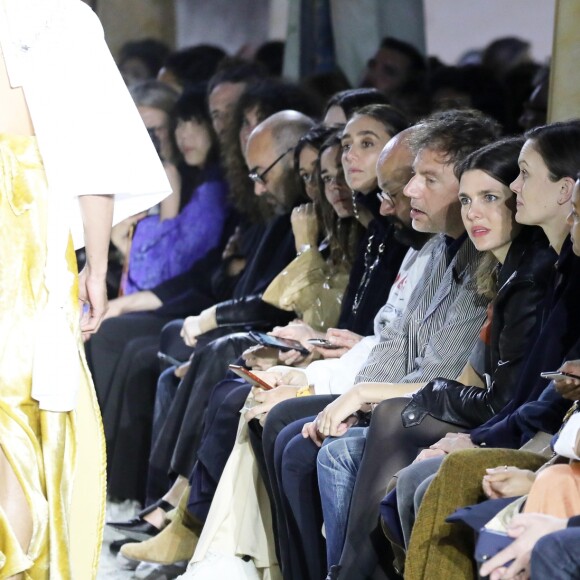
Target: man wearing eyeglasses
x,y
270,160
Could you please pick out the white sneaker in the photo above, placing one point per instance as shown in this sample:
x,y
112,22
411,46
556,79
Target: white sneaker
x,y
219,566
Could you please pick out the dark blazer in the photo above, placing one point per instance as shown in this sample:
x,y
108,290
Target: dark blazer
x,y
555,342
275,250
517,310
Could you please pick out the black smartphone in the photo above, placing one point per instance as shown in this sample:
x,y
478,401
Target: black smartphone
x,y
323,343
283,344
557,375
171,361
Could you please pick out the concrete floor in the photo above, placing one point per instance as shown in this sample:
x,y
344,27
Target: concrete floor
x,y
110,568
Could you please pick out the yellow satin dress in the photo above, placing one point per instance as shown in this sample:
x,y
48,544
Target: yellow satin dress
x,y
58,458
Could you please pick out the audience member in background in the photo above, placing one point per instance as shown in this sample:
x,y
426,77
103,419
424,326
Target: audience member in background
x,y
503,54
155,102
141,60
224,90
399,71
395,66
341,106
271,56
164,248
535,109
519,83
190,66
323,86
470,87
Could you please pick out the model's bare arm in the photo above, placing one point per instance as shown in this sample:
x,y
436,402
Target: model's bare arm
x,y
97,214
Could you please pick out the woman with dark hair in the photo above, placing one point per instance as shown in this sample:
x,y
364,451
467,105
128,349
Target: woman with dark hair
x,y
162,249
342,106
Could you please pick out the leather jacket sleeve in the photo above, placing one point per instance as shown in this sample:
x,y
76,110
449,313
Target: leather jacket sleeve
x,y
251,311
447,400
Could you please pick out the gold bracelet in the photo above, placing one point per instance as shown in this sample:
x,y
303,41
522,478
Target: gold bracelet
x,y
304,391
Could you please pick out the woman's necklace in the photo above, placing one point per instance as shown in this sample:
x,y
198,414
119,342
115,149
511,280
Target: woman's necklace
x,y
368,272
354,206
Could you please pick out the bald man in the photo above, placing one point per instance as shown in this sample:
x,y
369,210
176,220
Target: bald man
x,y
269,156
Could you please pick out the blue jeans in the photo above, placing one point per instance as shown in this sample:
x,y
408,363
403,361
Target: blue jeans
x,y
338,463
556,556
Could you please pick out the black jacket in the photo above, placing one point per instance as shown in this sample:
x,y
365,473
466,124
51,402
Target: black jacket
x,y
517,308
246,309
533,407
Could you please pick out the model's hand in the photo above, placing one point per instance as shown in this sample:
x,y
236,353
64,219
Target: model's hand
x,y
507,481
569,387
332,420
266,400
527,529
454,442
190,330
93,299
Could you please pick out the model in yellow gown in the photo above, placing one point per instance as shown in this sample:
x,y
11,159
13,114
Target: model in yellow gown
x,y
58,458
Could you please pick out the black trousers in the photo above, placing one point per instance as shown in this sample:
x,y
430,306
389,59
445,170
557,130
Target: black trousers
x,y
219,435
175,451
106,349
263,443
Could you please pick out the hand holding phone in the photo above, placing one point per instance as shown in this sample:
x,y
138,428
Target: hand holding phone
x,y
558,375
323,343
283,344
250,377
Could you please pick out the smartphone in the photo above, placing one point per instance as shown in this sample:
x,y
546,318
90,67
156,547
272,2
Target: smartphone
x,y
284,344
557,375
171,361
249,376
323,343
489,543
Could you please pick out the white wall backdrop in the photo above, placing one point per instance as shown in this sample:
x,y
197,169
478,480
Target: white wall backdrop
x,y
453,26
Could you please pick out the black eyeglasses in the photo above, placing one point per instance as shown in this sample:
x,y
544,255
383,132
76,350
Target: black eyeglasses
x,y
259,177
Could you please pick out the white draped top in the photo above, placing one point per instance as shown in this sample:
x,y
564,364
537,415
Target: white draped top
x,y
92,142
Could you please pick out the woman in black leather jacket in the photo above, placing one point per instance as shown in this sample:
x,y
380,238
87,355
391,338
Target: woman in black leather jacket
x,y
522,279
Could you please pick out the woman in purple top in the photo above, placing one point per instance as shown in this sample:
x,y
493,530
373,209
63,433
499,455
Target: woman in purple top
x,y
162,249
